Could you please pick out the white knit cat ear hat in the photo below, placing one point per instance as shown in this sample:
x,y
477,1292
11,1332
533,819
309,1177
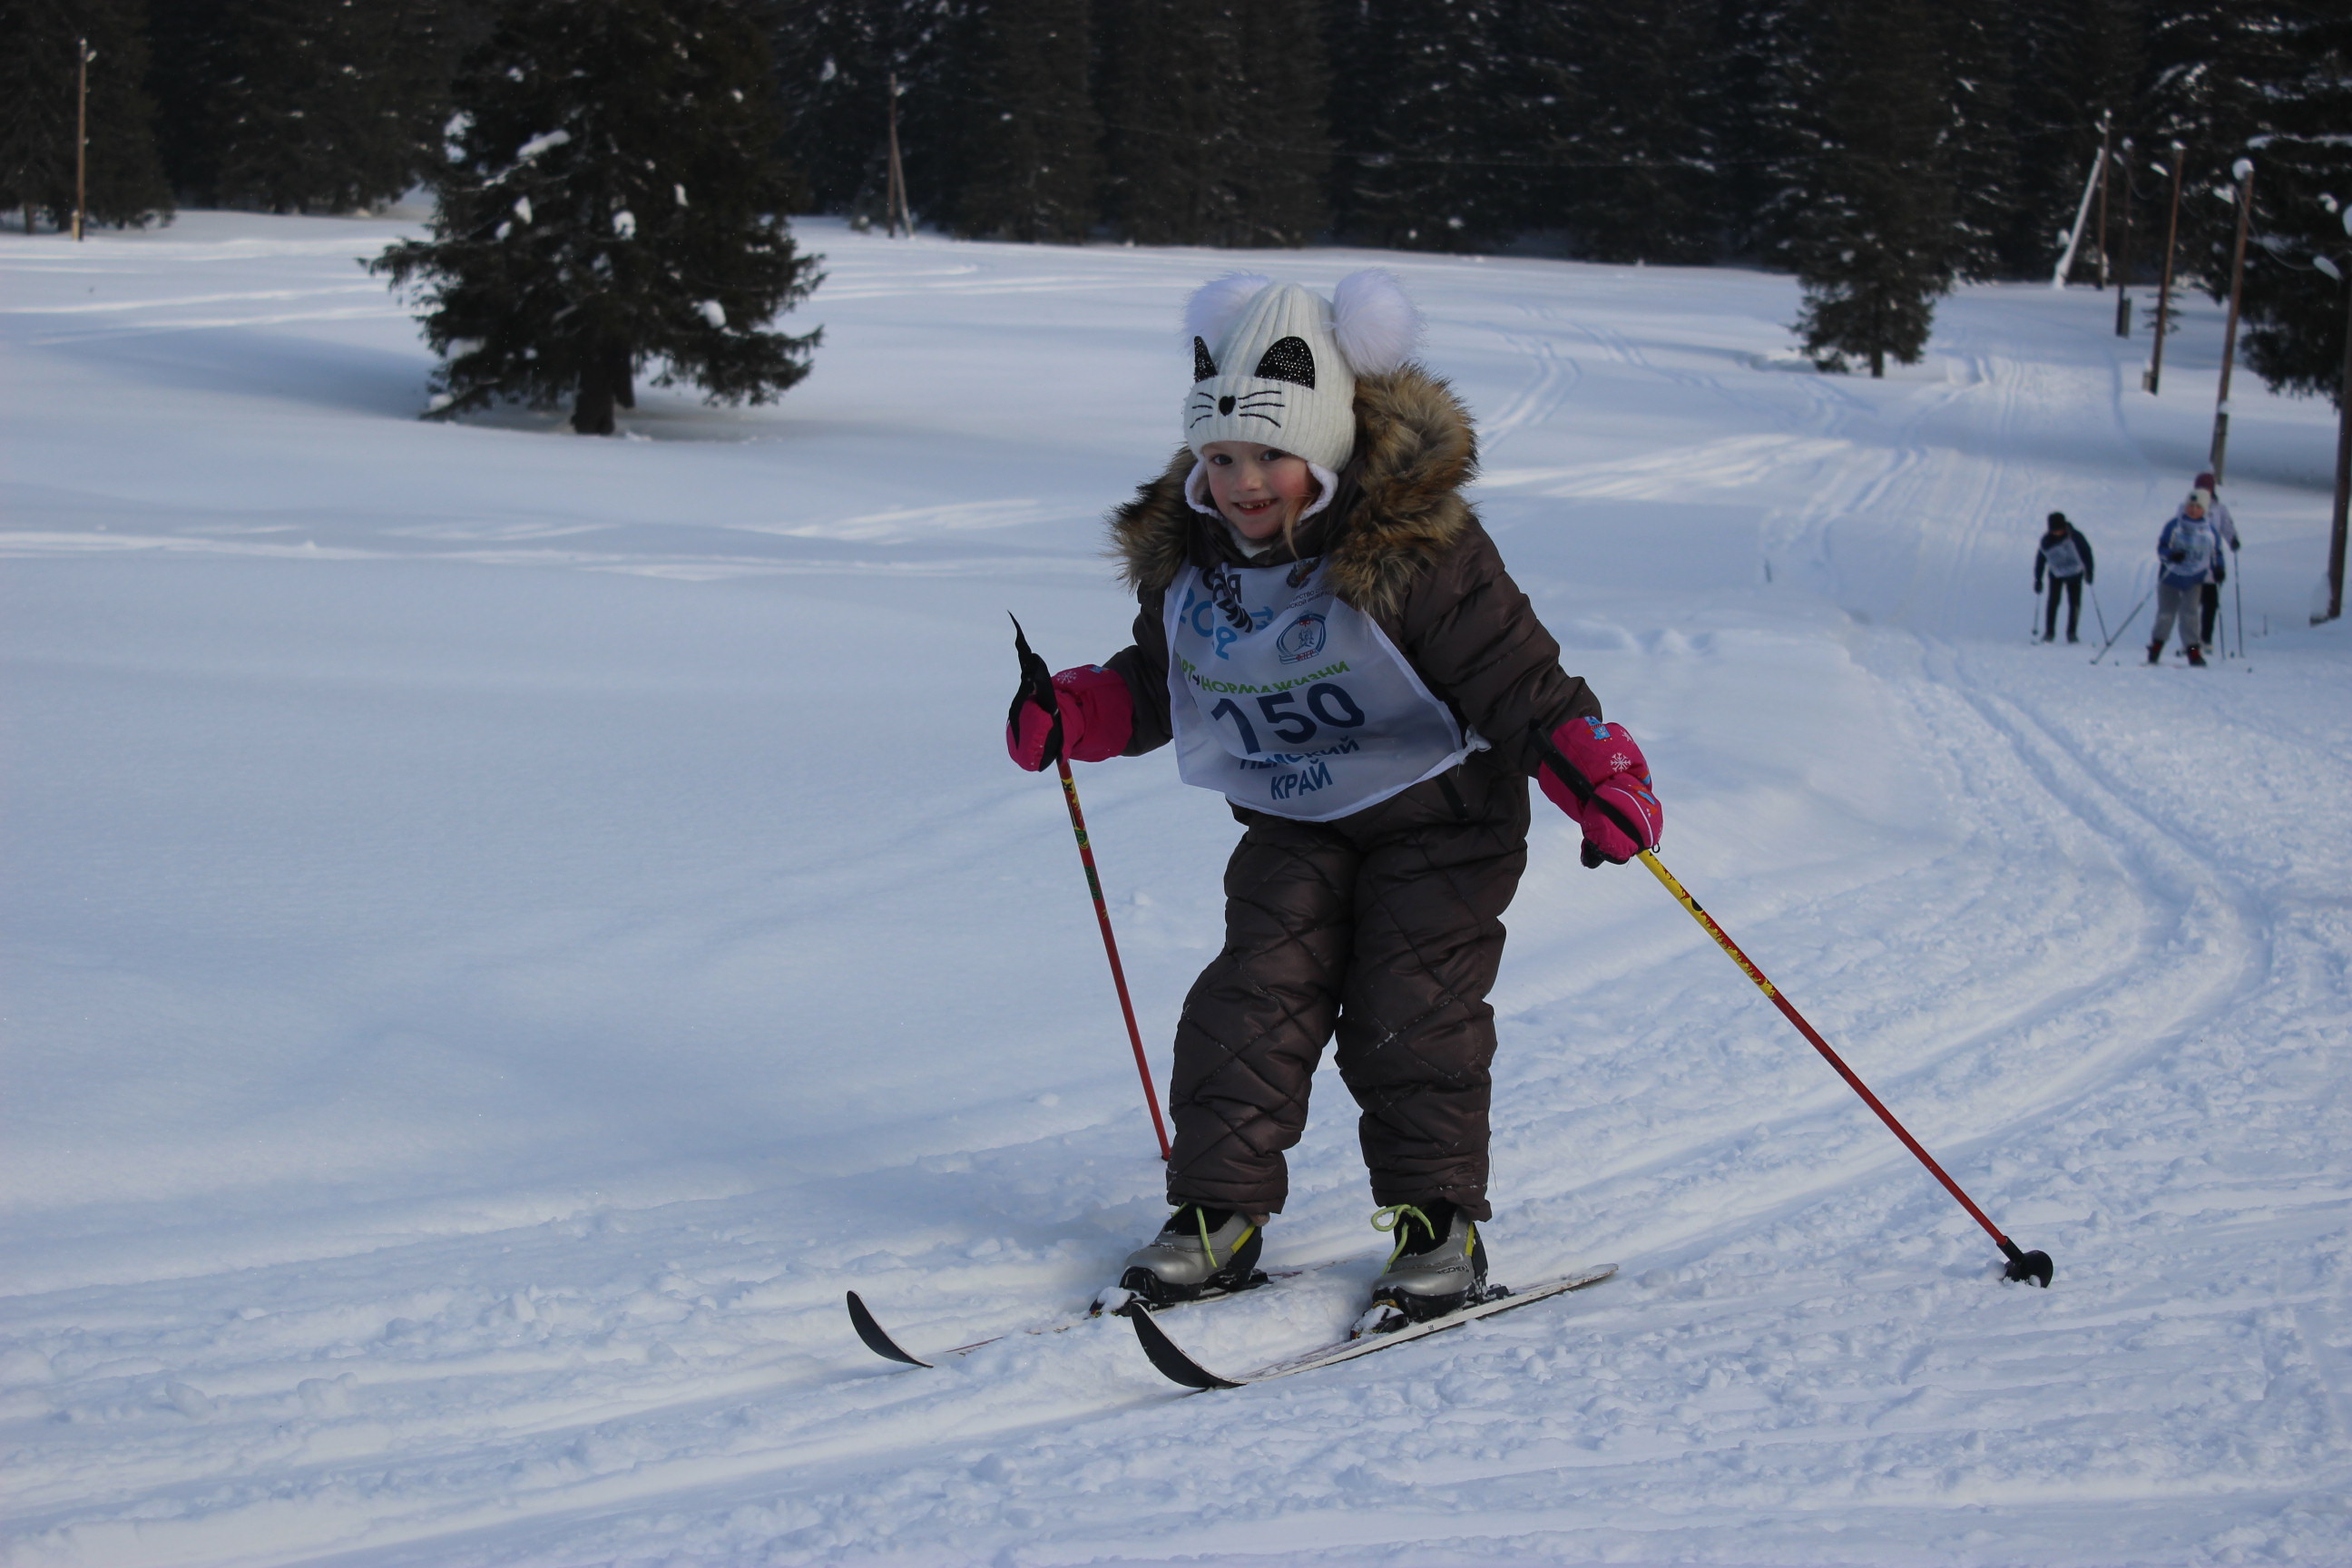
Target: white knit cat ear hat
x,y
1276,365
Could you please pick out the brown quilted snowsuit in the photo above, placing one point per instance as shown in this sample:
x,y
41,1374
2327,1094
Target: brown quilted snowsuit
x,y
1385,925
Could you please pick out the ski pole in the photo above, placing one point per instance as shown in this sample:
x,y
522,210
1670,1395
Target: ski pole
x,y
2126,627
2096,611
2238,611
2022,1265
1038,683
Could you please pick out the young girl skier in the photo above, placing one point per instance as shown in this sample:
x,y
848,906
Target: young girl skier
x,y
1330,640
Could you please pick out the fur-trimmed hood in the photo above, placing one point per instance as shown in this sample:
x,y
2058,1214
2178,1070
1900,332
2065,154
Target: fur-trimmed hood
x,y
1399,510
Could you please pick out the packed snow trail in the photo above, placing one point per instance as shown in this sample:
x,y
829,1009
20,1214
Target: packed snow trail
x,y
503,929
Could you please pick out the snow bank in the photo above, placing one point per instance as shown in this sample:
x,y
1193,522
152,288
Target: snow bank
x,y
502,928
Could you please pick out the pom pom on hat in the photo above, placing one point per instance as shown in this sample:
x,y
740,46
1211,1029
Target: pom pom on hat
x,y
1377,327
1214,307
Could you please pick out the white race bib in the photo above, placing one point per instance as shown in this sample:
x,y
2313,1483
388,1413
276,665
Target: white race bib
x,y
1286,701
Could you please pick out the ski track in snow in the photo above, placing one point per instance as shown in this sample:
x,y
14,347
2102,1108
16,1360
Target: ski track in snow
x,y
485,984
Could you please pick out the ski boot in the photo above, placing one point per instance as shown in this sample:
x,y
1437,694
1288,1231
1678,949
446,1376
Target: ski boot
x,y
2156,653
1200,1251
1438,1267
2196,657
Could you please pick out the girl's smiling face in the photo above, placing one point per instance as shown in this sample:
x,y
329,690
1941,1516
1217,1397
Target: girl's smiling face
x,y
1260,491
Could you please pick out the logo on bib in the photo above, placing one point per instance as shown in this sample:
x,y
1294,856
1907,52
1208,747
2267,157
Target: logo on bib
x,y
1302,639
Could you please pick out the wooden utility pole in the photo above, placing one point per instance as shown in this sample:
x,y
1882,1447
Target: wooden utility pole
x,y
2343,462
898,196
81,135
2245,173
2106,132
2124,261
2164,293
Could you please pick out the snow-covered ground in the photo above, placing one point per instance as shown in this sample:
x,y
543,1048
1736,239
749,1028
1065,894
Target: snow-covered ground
x,y
501,929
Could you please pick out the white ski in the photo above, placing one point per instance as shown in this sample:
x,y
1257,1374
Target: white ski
x,y
1111,1302
1178,1367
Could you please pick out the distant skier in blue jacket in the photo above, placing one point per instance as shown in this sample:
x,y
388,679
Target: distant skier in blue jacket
x,y
2185,553
2225,527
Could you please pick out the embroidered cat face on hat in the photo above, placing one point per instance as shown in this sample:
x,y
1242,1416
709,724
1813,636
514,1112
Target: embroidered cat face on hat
x,y
1275,365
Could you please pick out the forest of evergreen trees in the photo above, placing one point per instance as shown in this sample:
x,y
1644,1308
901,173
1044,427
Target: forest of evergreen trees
x,y
1875,147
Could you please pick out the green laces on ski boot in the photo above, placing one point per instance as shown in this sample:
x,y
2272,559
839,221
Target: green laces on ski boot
x,y
1438,1265
1200,1251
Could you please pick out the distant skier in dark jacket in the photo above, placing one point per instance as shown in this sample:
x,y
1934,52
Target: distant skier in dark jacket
x,y
2066,555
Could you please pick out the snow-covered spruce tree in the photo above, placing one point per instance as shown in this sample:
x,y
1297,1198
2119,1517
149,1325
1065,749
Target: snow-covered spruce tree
x,y
2214,69
2075,59
2294,313
1033,164
1873,225
835,59
2268,80
305,105
1763,129
1421,91
1981,138
1618,104
1215,121
38,88
613,201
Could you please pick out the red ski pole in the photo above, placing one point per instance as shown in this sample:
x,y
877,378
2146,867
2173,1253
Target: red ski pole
x,y
2022,1265
1039,683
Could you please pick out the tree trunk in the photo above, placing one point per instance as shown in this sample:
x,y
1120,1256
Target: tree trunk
x,y
592,411
624,389
1878,364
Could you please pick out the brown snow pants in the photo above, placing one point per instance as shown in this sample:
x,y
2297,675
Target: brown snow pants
x,y
1385,926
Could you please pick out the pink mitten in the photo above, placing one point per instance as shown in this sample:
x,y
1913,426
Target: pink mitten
x,y
1614,766
1097,718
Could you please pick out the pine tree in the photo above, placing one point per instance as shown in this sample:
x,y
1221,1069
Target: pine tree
x,y
835,62
1764,127
1215,121
39,89
2270,81
1620,101
2213,66
1033,167
1875,233
2298,92
1420,92
2075,61
614,203
306,105
1979,143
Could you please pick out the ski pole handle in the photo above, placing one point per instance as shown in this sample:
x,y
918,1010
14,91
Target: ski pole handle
x,y
1581,787
1037,687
